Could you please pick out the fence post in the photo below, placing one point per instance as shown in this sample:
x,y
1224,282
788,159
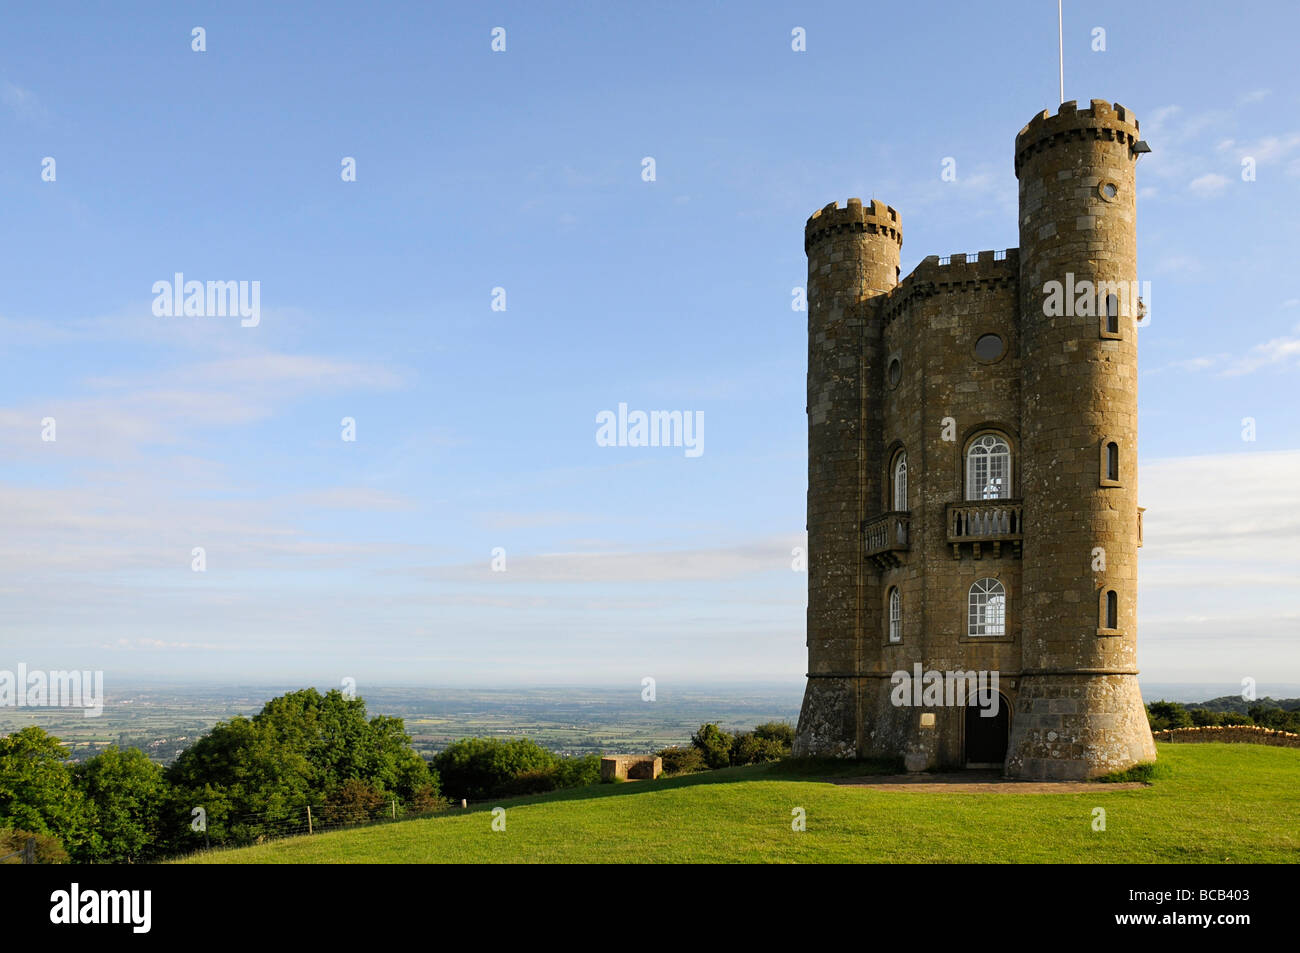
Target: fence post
x,y
308,818
394,808
29,851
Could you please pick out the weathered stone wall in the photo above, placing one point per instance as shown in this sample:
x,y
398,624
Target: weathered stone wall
x,y
1247,734
1079,390
630,767
932,321
828,719
1063,386
852,258
1072,727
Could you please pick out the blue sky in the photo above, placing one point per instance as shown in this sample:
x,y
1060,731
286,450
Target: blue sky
x,y
475,428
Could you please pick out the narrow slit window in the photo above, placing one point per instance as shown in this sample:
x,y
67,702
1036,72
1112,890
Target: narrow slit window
x,y
900,482
1112,461
1112,314
895,615
1112,609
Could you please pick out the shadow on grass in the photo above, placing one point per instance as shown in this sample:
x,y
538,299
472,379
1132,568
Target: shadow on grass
x,y
1148,773
791,769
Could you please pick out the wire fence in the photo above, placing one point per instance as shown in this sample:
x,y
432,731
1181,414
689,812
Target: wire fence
x,y
25,856
245,829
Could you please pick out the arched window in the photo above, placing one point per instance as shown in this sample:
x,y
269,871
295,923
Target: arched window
x,y
895,615
988,468
1112,461
900,481
1112,610
988,609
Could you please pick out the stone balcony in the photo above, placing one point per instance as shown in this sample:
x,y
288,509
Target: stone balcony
x,y
982,524
887,536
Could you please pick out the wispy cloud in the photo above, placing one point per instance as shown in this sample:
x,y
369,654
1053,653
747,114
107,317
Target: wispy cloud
x,y
1245,543
1280,351
1186,159
1209,184
22,102
676,565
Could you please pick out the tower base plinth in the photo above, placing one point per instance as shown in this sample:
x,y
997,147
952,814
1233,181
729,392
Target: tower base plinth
x,y
1073,727
828,720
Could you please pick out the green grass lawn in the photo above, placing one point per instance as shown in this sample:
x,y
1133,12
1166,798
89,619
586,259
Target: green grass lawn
x,y
1214,803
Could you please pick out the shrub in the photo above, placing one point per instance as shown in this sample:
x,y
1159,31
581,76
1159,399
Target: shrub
x,y
528,782
780,731
1204,718
479,768
1147,772
354,801
678,760
1278,719
749,748
426,799
714,745
577,772
1164,715
48,848
768,742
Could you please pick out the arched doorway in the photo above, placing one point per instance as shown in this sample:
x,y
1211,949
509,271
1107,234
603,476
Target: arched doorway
x,y
986,738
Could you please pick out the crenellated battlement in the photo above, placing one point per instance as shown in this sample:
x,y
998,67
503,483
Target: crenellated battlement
x,y
1100,120
952,274
875,218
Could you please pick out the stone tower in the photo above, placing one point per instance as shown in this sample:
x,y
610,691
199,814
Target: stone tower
x,y
972,494
852,259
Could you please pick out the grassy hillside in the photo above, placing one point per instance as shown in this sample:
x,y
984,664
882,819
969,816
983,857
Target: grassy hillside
x,y
1214,803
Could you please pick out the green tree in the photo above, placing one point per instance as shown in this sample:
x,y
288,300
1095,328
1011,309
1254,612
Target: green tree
x,y
1278,719
577,772
478,768
256,776
37,793
1164,715
771,741
714,745
339,743
779,731
750,748
127,792
245,780
682,760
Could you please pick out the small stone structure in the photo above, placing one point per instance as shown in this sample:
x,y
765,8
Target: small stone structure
x,y
630,767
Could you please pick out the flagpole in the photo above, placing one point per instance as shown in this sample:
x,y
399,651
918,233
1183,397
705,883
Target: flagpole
x,y
1060,47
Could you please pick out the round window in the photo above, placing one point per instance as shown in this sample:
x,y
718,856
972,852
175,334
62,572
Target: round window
x,y
989,347
1108,191
895,372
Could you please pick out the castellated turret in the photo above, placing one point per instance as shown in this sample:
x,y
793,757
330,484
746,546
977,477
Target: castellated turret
x,y
972,459
852,260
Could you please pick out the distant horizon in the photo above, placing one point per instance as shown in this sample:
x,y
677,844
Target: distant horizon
x,y
460,263
1203,691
